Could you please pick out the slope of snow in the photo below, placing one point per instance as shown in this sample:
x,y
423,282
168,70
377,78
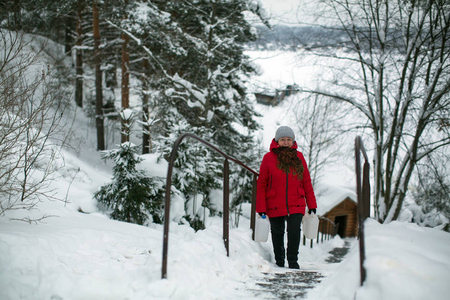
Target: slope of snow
x,y
403,261
74,255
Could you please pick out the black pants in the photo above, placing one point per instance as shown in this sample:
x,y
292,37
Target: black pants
x,y
277,227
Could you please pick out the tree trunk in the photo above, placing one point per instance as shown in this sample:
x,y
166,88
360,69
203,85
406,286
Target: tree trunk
x,y
79,59
146,138
125,86
68,38
98,79
17,15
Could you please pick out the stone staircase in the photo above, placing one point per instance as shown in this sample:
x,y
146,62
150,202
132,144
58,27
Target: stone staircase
x,y
295,284
288,285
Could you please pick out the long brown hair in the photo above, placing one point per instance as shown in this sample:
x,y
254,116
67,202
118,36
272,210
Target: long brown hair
x,y
288,161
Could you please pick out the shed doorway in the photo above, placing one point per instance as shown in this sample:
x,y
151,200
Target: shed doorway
x,y
341,223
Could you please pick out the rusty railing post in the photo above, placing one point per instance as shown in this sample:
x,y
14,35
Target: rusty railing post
x,y
253,212
366,191
363,195
226,196
226,205
167,207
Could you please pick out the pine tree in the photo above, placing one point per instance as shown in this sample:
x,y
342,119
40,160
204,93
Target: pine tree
x,y
190,58
208,70
132,195
198,170
204,88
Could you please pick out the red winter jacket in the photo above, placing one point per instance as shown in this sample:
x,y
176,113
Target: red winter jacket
x,y
280,194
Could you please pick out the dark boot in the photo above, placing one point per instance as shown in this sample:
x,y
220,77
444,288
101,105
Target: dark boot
x,y
277,229
293,229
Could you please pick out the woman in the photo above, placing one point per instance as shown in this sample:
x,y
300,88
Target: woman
x,y
283,190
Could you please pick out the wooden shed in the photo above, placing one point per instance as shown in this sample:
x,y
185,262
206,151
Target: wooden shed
x,y
345,216
339,206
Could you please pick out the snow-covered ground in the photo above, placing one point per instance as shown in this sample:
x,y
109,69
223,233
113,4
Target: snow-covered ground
x,y
76,252
74,255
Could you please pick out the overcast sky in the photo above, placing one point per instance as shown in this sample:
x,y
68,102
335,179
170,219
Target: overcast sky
x,y
280,5
288,11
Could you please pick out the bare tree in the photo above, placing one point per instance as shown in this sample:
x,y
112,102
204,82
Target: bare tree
x,y
30,114
432,192
394,69
319,126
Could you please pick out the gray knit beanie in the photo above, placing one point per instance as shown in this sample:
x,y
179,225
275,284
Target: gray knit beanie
x,y
284,131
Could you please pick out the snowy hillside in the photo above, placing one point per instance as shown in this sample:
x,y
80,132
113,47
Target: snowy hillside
x,y
76,252
73,255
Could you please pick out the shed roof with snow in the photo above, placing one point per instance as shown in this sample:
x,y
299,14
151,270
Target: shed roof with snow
x,y
338,204
328,196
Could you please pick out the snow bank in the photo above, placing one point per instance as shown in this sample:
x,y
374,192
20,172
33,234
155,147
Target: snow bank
x,y
403,261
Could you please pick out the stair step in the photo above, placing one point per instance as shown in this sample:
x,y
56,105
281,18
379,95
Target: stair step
x,y
288,285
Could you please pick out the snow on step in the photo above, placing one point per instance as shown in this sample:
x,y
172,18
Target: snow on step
x,y
287,285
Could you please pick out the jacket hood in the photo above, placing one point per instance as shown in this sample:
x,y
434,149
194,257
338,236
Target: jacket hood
x,y
275,145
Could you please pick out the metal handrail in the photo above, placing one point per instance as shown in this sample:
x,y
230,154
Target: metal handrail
x,y
226,199
329,224
363,195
